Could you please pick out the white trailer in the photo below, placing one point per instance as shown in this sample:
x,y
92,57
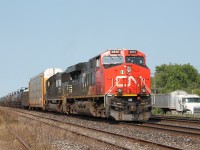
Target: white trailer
x,y
178,101
37,87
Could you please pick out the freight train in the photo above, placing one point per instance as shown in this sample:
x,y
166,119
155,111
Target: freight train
x,y
114,84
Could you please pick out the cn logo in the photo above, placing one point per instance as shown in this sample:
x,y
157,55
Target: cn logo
x,y
121,79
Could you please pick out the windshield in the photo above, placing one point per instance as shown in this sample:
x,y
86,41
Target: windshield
x,y
191,100
108,60
135,60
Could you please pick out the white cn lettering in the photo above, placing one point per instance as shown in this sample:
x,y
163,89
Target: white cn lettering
x,y
121,80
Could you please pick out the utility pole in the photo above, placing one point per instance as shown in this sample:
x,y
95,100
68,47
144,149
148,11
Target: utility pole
x,y
155,83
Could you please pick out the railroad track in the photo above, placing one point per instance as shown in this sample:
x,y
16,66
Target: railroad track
x,y
173,128
25,146
62,128
127,139
185,126
176,118
181,121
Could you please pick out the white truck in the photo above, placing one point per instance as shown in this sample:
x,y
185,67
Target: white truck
x,y
178,102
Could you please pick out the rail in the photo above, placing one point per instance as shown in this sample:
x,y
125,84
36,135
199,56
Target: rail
x,y
23,143
128,138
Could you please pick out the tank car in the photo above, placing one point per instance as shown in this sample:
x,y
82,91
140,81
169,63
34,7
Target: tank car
x,y
3,100
9,100
24,97
18,99
113,84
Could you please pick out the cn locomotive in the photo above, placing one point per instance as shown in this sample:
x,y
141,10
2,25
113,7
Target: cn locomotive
x,y
114,84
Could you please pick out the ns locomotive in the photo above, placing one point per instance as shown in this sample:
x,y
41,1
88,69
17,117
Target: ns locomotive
x,y
115,83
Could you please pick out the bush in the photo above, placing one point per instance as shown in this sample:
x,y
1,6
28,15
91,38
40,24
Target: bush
x,y
158,111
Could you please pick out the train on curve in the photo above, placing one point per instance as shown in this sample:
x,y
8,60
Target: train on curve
x,y
114,84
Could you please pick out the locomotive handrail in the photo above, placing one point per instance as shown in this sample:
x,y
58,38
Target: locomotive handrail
x,y
152,94
111,88
107,93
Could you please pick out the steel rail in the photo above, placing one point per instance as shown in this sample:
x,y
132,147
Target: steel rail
x,y
23,143
174,128
176,118
186,121
100,140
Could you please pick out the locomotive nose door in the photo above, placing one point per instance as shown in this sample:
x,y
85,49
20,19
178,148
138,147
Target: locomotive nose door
x,y
126,82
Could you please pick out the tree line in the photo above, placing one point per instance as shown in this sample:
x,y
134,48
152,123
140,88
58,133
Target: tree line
x,y
168,78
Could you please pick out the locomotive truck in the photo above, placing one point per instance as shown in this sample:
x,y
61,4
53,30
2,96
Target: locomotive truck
x,y
114,84
178,102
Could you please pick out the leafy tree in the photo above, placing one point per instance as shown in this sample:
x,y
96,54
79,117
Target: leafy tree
x,y
196,87
173,77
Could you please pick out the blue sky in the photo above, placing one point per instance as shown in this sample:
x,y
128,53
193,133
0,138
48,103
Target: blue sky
x,y
35,35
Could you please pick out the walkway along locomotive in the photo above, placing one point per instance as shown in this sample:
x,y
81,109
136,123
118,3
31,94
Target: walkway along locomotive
x,y
114,84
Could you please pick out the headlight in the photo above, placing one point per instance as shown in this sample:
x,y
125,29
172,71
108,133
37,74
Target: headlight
x,y
143,90
119,91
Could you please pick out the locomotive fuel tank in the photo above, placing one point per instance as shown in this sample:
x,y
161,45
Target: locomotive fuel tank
x,y
85,108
